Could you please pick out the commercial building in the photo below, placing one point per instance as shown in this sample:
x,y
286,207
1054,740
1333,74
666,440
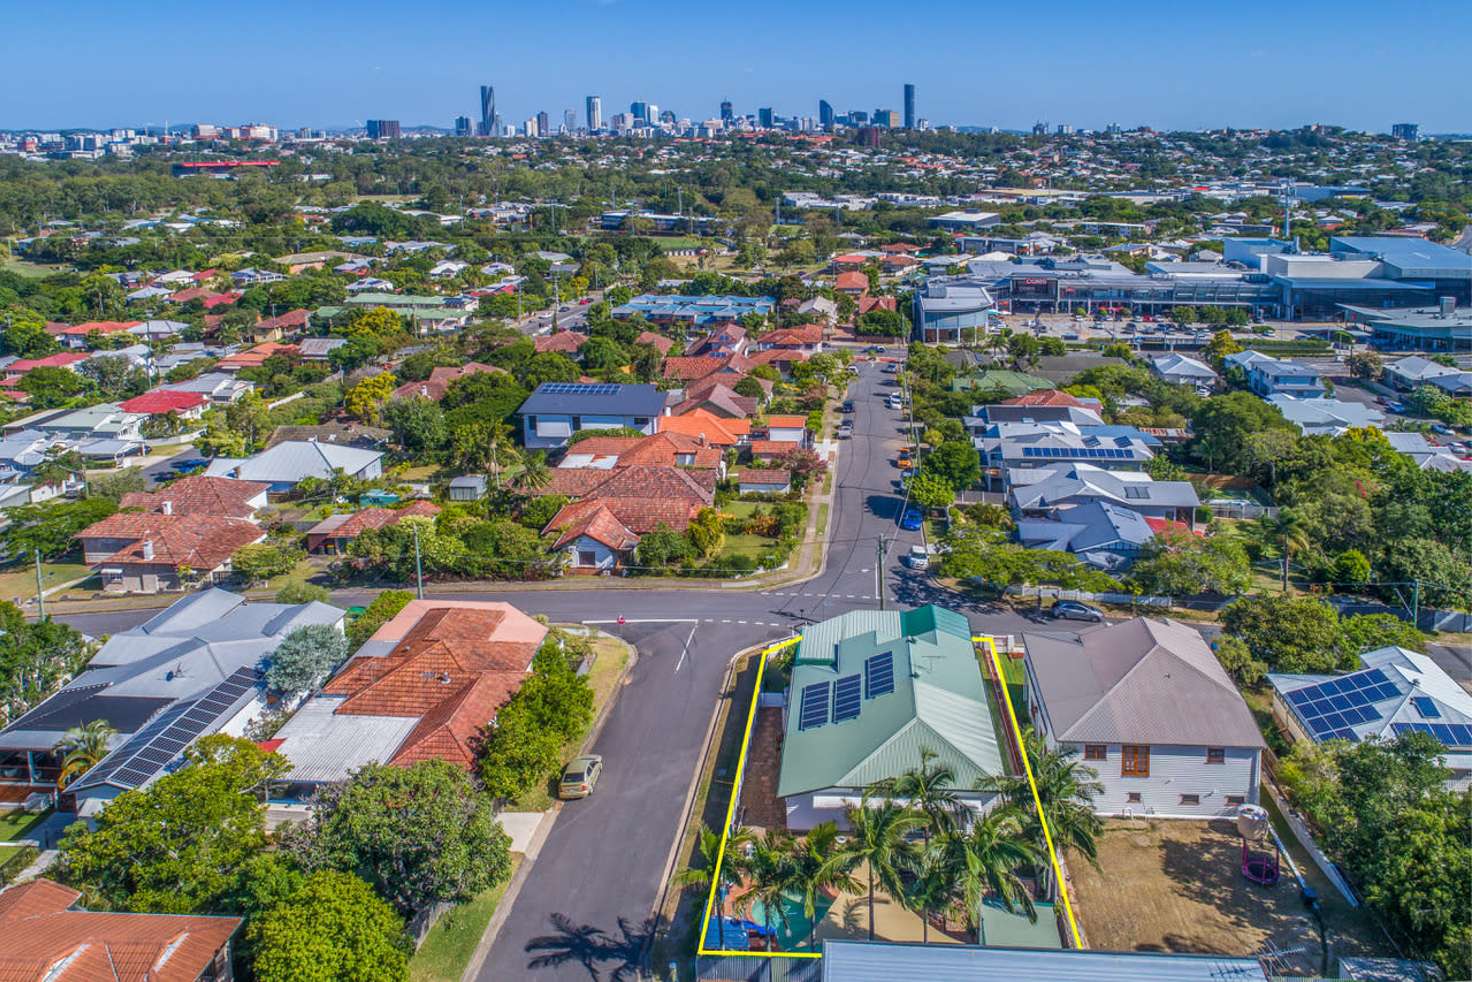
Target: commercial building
x,y
1444,327
383,129
691,310
825,114
909,105
487,110
1410,132
594,106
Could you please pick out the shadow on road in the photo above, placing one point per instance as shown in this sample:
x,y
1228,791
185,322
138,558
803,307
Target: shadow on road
x,y
597,951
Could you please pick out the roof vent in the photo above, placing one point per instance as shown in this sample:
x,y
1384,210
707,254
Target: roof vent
x,y
167,507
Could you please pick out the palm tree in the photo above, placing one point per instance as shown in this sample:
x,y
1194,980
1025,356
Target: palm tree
x,y
499,447
933,887
818,865
769,869
877,839
709,848
986,859
1287,532
930,789
535,473
82,748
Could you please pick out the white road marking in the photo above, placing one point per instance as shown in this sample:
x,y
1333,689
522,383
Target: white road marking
x,y
686,650
646,620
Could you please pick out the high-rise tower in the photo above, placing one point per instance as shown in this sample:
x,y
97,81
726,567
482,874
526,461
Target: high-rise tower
x,y
487,110
595,113
909,105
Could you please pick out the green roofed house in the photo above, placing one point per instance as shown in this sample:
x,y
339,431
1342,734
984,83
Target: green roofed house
x,y
1000,380
870,690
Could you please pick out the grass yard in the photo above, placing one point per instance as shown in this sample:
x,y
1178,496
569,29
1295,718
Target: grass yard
x,y
1176,886
449,945
20,580
610,656
15,824
741,509
30,270
744,545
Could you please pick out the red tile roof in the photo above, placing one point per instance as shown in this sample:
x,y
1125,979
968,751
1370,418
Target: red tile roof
x,y
193,293
101,327
371,518
659,342
438,383
565,342
199,495
687,368
803,334
255,356
703,423
764,475
787,422
292,320
221,299
869,302
772,448
852,281
62,359
201,542
39,929
1047,397
163,401
595,520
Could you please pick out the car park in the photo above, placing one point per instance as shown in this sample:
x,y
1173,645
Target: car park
x,y
1073,610
580,777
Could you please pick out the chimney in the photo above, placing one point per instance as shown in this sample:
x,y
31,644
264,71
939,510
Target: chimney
x,y
147,548
168,507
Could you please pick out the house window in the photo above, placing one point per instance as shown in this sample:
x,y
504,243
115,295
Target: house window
x,y
1236,799
587,557
1134,761
1216,755
1190,799
1096,751
640,422
1132,798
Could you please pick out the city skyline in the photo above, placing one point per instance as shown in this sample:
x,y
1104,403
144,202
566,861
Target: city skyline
x,y
1148,64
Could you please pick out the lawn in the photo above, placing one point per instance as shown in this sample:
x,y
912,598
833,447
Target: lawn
x,y
741,509
19,580
449,945
15,824
744,545
610,655
30,270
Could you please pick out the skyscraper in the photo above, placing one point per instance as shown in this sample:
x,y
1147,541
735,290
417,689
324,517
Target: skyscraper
x,y
487,110
909,105
569,120
764,117
595,114
726,113
462,125
640,112
383,129
544,124
825,114
1406,131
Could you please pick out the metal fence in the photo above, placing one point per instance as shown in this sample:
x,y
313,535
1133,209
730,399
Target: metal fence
x,y
1240,508
758,968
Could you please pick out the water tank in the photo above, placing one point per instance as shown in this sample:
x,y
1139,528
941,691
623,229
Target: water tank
x,y
1252,822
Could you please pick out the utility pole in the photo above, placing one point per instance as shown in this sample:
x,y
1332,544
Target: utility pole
x,y
40,594
879,570
418,566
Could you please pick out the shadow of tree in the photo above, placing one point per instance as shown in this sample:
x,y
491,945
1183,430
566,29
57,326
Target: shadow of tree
x,y
596,950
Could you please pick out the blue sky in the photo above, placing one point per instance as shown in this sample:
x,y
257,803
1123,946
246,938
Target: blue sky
x,y
325,63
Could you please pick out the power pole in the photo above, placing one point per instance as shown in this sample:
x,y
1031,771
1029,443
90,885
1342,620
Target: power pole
x,y
879,570
40,594
418,566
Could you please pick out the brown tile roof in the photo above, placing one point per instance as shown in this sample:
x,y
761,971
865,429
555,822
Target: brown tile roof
x,y
772,448
787,422
689,369
202,542
702,423
764,475
292,320
454,668
1047,397
438,383
665,449
372,518
775,356
564,342
39,929
784,336
199,495
658,342
870,302
852,281
637,515
595,520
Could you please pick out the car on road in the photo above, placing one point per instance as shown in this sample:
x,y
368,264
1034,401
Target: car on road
x,y
189,464
844,431
848,406
580,777
911,520
585,301
891,368
1072,610
874,349
918,558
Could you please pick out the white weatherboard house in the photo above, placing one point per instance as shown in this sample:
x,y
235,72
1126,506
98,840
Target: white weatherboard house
x,y
1147,705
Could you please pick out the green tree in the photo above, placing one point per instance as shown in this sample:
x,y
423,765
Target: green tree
x,y
1223,425
419,835
987,859
35,658
82,748
176,845
1220,346
1360,633
1445,578
878,838
930,788
519,753
367,399
51,527
819,867
378,613
418,425
1289,634
955,460
1237,660
708,847
1286,532
302,592
331,928
50,387
305,658
260,561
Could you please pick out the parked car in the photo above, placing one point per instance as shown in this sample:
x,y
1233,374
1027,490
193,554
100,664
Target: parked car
x,y
1072,610
580,777
844,431
911,520
848,406
918,558
874,349
188,465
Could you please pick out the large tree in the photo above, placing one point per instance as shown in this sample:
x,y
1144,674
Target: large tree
x,y
330,928
305,658
176,846
1289,634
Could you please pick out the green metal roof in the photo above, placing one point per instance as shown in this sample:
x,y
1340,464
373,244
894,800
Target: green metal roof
x,y
938,702
1016,383
396,300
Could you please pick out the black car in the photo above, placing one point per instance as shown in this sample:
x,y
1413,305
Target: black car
x,y
848,406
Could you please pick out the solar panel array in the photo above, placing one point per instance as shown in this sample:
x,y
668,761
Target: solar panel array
x,y
1330,709
1450,734
814,710
152,748
846,698
879,674
1071,453
1426,706
579,389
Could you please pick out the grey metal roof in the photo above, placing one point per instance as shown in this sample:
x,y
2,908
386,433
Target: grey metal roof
x,y
1075,483
860,961
602,399
293,460
323,747
1140,681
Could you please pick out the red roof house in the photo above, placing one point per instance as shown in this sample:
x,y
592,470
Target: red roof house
x,y
163,401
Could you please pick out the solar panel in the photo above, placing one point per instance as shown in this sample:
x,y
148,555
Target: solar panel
x,y
1461,735
879,674
1299,697
1426,706
814,710
847,698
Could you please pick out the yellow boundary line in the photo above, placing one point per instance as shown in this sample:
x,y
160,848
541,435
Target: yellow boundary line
x,y
715,881
991,644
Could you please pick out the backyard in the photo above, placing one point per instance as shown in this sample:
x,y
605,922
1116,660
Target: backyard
x,y
14,824
1176,886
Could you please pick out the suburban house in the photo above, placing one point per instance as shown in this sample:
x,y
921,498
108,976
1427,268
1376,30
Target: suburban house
x,y
1100,533
335,533
854,283
789,429
1409,373
717,396
807,338
1269,377
705,426
1046,492
561,342
614,508
221,388
1397,691
218,497
870,691
1013,449
188,671
868,961
438,383
45,935
660,450
424,687
1326,417
1180,369
722,341
360,436
1148,707
149,552
285,465
694,368
167,402
764,480
557,410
